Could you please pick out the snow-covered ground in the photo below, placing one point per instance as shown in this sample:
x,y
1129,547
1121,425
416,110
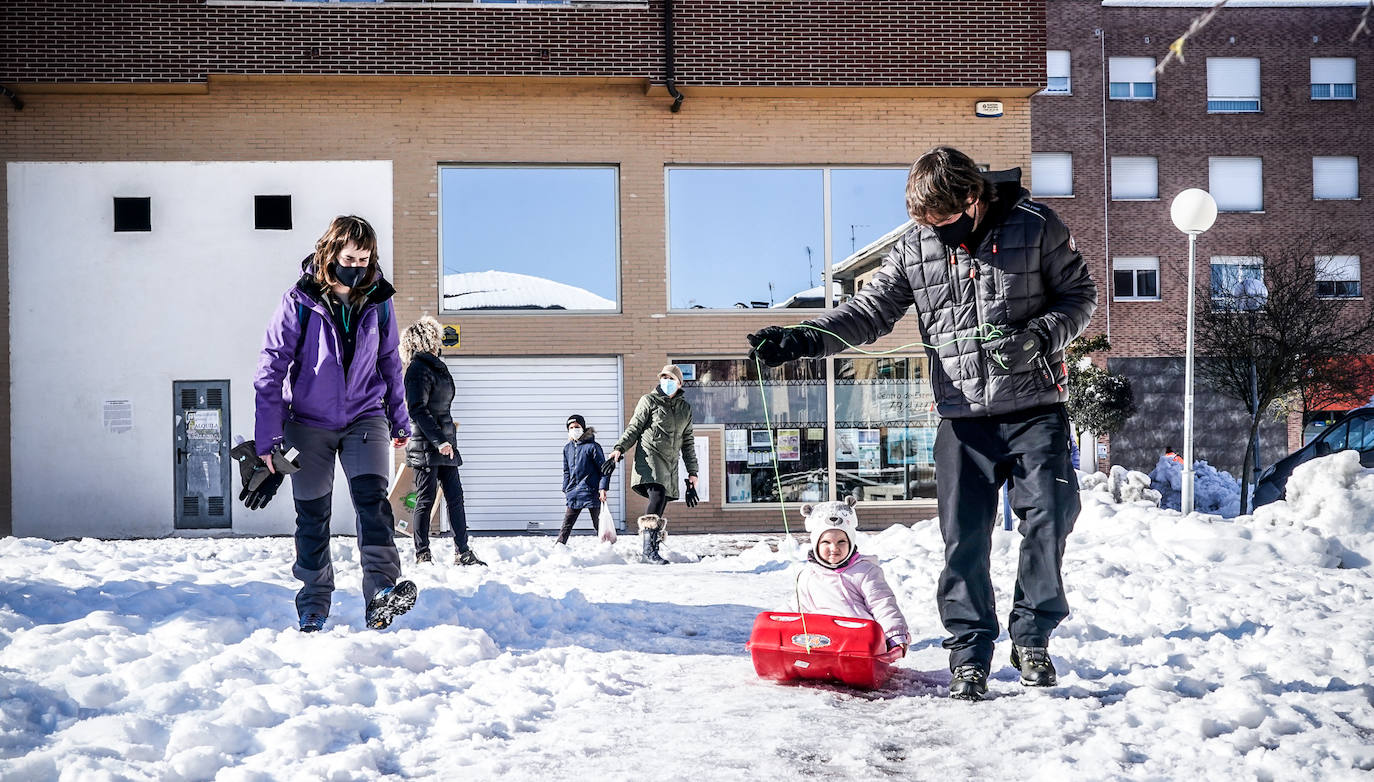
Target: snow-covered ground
x,y
1199,648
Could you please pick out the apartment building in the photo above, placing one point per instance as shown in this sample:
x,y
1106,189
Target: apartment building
x,y
1268,109
580,191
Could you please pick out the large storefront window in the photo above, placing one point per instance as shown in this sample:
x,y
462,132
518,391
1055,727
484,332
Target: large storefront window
x,y
726,392
755,238
529,238
885,424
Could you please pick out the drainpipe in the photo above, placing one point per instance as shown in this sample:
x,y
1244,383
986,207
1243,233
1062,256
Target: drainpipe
x,y
1106,185
668,55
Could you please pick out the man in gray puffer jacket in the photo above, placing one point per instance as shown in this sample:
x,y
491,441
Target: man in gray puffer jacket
x,y
999,290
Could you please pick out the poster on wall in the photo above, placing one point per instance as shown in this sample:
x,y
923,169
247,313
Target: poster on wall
x,y
815,434
759,438
789,445
736,445
703,449
740,490
846,445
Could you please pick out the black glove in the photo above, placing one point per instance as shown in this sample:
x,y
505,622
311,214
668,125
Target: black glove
x,y
690,496
776,345
259,484
608,467
1019,351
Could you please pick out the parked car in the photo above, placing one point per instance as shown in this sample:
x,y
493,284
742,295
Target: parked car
x,y
1355,431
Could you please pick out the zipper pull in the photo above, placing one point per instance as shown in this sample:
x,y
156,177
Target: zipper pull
x,y
973,273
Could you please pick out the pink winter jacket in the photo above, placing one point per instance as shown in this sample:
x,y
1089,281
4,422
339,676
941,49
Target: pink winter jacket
x,y
858,590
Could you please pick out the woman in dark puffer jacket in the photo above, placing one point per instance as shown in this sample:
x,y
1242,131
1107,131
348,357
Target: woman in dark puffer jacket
x,y
431,452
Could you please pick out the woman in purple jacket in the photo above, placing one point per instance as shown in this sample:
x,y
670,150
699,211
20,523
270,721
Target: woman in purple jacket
x,y
329,385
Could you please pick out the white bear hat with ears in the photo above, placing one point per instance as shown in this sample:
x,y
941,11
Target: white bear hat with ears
x,y
832,515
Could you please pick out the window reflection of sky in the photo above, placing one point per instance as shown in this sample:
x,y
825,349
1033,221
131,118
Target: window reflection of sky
x,y
740,235
553,223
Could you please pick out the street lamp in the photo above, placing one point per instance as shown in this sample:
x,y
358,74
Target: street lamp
x,y
1193,211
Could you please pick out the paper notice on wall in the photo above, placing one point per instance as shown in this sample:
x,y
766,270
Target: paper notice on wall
x,y
117,415
740,490
703,449
203,425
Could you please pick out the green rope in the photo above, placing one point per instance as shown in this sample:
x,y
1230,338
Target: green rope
x,y
986,332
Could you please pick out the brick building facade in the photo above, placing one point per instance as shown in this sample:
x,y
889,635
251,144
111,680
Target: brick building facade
x,y
1166,122
425,85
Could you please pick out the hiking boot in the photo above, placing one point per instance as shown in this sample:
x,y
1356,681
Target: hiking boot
x,y
390,603
312,623
422,556
467,558
1037,670
970,682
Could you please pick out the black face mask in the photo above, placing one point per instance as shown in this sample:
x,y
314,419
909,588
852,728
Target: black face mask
x,y
349,276
956,232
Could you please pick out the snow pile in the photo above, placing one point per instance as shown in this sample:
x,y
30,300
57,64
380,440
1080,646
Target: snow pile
x,y
1121,485
1197,648
1214,491
1334,496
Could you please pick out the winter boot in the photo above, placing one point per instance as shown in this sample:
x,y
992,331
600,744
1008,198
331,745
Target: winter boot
x,y
467,558
312,623
970,682
390,603
1037,670
651,529
422,557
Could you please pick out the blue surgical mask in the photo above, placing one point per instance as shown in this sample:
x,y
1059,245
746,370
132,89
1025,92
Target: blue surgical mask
x,y
668,385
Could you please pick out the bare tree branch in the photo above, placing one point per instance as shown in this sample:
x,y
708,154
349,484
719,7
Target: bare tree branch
x,y
1176,48
1363,27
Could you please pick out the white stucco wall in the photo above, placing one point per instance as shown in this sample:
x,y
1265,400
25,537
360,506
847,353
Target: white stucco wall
x,y
98,315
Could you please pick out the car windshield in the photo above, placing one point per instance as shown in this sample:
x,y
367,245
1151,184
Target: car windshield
x,y
1361,434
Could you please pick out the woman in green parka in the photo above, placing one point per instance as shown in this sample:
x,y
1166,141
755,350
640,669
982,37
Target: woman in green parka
x,y
662,428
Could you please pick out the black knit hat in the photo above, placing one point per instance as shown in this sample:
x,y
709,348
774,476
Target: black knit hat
x,y
582,422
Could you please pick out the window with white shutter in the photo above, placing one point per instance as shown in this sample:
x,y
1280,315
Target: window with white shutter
x,y
1338,276
1052,174
1233,85
1236,183
1333,78
1131,78
1057,73
1135,178
1335,178
1135,279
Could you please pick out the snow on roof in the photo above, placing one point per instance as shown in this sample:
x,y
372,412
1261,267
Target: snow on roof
x,y
809,295
509,290
879,245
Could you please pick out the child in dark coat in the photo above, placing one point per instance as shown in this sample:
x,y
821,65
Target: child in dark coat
x,y
583,483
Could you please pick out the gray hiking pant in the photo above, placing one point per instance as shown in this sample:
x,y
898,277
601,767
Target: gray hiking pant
x,y
364,450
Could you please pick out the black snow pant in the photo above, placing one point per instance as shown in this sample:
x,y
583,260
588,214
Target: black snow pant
x,y
364,450
428,481
570,518
973,457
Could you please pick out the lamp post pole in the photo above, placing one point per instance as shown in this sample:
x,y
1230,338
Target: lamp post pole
x,y
1187,499
1193,211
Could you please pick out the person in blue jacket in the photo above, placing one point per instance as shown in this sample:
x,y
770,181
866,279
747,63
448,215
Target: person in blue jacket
x,y
583,483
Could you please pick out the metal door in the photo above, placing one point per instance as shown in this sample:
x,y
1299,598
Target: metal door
x,y
200,433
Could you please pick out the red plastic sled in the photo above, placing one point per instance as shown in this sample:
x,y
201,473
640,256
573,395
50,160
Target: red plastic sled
x,y
831,648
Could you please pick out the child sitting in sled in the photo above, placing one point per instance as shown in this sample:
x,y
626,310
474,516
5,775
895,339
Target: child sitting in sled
x,y
836,580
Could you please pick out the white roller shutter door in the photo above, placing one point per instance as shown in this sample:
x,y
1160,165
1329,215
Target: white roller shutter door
x,y
511,414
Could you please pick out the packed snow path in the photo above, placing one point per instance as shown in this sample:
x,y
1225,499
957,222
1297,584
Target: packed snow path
x,y
1198,649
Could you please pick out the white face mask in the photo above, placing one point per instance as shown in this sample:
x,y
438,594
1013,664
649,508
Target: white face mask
x,y
574,433
668,385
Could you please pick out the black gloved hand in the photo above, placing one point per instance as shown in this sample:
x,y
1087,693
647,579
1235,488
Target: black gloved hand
x,y
260,484
608,467
776,345
690,496
1019,351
